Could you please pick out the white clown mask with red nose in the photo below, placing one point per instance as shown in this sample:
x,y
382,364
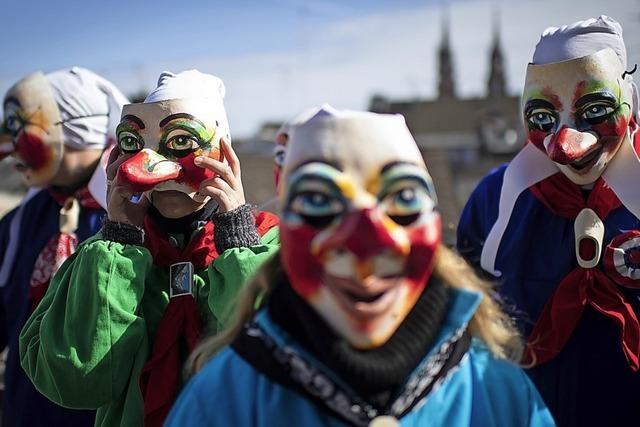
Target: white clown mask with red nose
x,y
183,118
579,111
44,115
578,101
359,228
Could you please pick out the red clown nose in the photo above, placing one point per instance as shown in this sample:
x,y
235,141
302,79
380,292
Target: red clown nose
x,y
365,235
147,169
568,145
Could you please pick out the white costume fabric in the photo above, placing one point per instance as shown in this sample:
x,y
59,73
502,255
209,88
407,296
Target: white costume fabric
x,y
580,39
89,107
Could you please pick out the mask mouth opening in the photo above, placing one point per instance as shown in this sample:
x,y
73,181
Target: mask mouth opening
x,y
364,301
588,159
367,299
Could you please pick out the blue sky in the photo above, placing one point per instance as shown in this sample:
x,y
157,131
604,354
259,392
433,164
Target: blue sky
x,y
279,57
108,33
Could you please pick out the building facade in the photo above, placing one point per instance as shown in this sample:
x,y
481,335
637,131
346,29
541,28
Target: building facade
x,y
461,139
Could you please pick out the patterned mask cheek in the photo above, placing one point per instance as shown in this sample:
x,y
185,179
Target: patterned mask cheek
x,y
541,113
607,118
33,119
424,240
35,157
315,205
193,175
305,269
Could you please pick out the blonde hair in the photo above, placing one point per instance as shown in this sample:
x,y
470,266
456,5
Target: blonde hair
x,y
489,323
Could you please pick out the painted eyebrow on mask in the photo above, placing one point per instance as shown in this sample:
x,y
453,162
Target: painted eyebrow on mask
x,y
317,170
388,166
167,119
538,103
325,162
596,96
393,172
134,119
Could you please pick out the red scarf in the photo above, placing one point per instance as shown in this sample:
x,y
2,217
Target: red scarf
x,y
160,377
582,286
62,244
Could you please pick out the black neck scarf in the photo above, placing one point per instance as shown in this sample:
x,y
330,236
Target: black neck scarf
x,y
375,374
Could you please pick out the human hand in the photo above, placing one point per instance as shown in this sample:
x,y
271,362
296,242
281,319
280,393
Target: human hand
x,y
120,207
226,186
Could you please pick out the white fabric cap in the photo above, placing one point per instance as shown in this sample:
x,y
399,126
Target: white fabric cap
x,y
89,105
580,39
302,117
353,139
193,84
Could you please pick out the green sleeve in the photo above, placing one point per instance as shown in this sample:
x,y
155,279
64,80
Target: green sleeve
x,y
229,272
79,345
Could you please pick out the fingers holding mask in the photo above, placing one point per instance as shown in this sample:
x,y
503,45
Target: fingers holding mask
x,y
226,186
123,204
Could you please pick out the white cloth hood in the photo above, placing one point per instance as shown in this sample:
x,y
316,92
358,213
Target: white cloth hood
x,y
89,105
580,39
192,84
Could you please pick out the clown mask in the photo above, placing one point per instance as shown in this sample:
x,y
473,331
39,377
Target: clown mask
x,y
32,122
579,112
164,138
358,229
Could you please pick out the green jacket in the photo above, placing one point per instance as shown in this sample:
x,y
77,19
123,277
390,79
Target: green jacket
x,y
88,340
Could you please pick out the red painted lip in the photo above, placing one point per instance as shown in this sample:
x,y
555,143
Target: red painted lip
x,y
588,159
143,171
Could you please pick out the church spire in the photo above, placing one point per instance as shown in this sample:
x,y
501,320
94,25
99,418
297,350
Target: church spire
x,y
496,84
446,86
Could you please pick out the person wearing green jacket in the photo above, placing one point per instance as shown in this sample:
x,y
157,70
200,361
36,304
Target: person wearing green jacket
x,y
125,310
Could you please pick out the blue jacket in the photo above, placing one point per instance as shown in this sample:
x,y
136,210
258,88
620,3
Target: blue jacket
x,y
481,391
589,383
22,404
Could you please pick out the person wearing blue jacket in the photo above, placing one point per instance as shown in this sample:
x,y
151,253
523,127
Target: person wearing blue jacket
x,y
57,127
558,228
366,318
